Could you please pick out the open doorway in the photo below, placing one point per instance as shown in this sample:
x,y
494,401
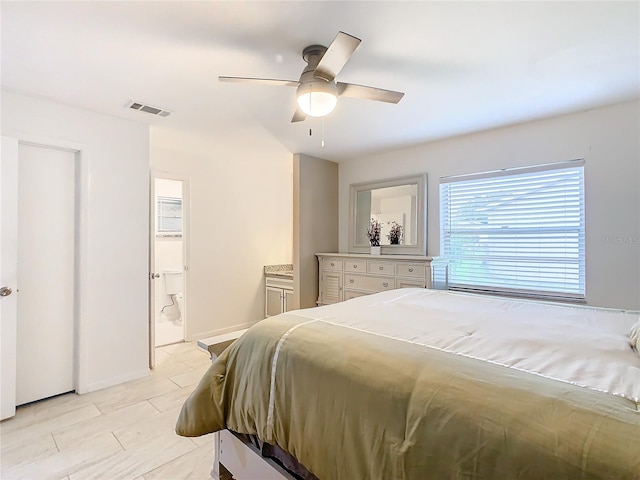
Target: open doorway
x,y
169,270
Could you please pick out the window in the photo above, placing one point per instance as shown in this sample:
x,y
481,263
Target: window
x,y
169,216
517,231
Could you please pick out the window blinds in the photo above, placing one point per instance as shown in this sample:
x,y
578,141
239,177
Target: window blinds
x,y
518,231
169,215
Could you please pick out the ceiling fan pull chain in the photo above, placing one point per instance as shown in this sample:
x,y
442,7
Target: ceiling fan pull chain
x,y
322,135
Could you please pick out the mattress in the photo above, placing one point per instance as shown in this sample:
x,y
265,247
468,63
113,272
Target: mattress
x,y
582,345
418,384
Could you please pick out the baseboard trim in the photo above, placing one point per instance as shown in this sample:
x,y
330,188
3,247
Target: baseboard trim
x,y
220,331
92,387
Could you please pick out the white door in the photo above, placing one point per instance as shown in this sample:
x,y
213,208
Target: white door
x,y
46,273
8,274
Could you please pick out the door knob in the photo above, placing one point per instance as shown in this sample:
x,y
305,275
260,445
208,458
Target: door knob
x,y
5,291
154,275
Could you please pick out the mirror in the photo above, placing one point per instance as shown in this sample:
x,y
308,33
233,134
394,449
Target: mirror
x,y
399,206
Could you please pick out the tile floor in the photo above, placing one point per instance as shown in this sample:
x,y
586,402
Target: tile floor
x,y
122,432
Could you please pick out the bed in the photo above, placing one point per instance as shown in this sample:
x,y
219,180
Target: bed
x,y
426,384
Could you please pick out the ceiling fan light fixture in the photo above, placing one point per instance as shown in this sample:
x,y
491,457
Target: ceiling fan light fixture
x,y
317,99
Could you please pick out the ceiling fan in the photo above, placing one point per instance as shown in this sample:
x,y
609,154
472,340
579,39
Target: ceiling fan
x,y
317,92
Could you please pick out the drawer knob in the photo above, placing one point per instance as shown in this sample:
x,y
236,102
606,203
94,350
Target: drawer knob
x,y
355,266
380,268
385,284
411,269
351,280
332,264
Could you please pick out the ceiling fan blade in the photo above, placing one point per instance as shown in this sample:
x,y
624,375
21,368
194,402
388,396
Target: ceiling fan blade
x,y
298,116
261,81
336,56
368,93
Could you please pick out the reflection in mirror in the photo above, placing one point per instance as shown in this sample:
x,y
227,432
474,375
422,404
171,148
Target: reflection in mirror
x,y
391,206
399,205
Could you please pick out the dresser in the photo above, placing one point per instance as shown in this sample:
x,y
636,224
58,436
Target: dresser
x,y
344,276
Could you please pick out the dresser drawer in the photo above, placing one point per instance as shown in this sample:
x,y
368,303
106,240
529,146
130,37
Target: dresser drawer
x,y
349,294
368,282
380,268
359,266
410,283
332,264
410,270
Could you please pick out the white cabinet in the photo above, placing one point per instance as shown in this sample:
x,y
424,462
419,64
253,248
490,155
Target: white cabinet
x,y
330,287
279,293
346,276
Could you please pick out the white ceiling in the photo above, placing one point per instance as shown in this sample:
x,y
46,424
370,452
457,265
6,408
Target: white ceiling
x,y
464,66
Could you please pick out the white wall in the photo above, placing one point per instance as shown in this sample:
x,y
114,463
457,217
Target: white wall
x,y
607,138
113,228
241,220
315,223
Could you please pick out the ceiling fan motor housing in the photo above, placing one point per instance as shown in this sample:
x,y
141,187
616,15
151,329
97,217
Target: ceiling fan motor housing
x,y
325,93
312,55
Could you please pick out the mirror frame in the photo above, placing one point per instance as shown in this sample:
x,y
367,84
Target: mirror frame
x,y
420,248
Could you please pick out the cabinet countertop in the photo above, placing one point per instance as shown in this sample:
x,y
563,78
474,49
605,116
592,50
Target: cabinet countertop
x,y
281,271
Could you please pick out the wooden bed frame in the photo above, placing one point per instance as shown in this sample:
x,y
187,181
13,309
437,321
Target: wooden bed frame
x,y
243,460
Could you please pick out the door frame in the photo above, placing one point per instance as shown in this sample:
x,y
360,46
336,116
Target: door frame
x,y
186,242
8,274
82,180
81,234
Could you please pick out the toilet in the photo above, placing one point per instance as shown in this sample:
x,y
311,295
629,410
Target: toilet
x,y
173,285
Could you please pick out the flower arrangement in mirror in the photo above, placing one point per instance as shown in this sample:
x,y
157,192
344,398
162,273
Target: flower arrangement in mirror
x,y
373,232
395,234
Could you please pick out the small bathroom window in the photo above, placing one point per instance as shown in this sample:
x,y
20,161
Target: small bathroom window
x,y
169,217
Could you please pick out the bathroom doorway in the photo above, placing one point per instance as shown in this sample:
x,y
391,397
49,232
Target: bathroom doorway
x,y
169,268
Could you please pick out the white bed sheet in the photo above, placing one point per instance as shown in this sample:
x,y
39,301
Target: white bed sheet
x,y
580,345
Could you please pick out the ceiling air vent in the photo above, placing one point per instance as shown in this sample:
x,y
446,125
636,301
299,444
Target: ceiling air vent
x,y
148,108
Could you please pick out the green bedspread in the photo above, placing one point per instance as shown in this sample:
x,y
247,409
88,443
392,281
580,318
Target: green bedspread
x,y
354,406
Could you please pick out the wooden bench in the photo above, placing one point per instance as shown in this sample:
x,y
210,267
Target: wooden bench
x,y
215,345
